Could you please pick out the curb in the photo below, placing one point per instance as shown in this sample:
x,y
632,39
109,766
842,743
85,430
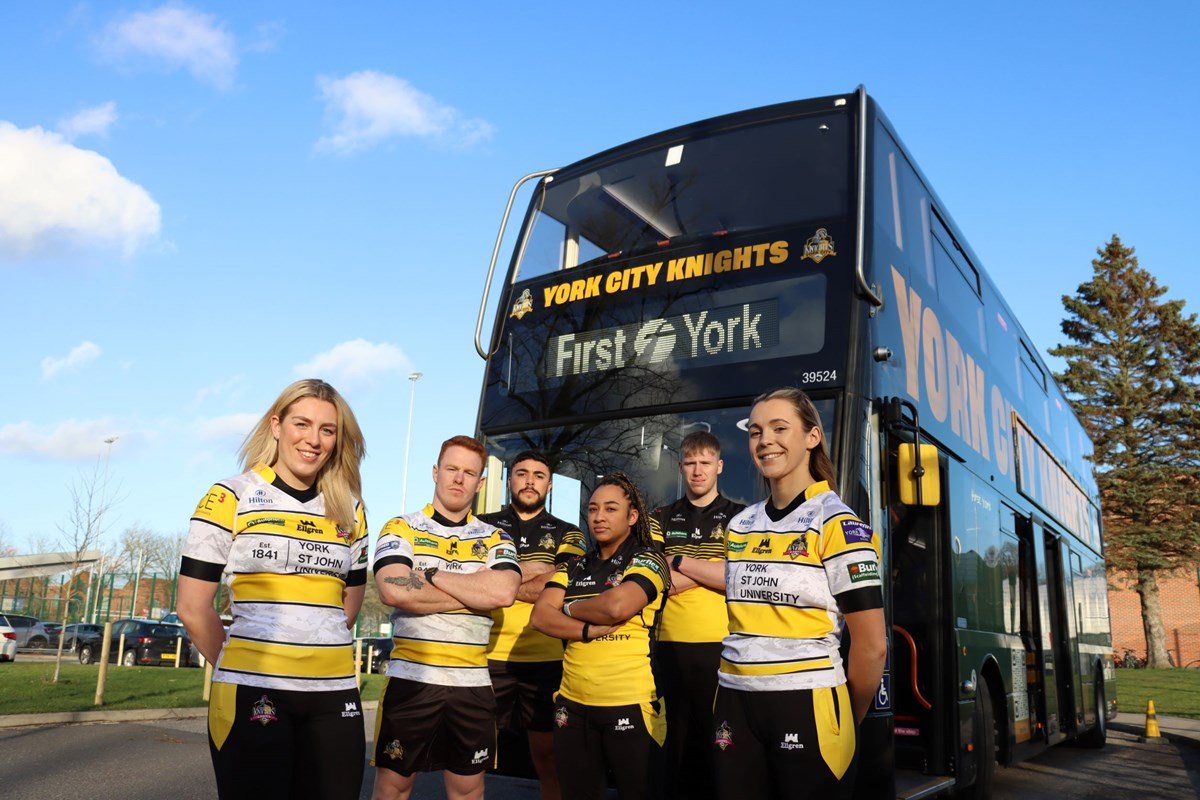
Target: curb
x,y
116,715
1167,736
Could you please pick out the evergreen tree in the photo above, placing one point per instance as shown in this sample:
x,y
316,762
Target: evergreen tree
x,y
1131,374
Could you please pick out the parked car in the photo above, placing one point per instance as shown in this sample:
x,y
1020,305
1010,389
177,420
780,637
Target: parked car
x,y
31,632
8,640
146,642
376,653
54,630
76,630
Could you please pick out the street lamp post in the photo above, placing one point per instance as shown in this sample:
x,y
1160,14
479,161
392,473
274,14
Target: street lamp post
x,y
412,398
99,516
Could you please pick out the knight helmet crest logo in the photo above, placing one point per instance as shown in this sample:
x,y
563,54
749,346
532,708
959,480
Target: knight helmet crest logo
x,y
263,711
797,548
819,246
523,305
724,737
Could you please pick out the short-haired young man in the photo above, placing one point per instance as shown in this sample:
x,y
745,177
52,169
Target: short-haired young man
x,y
443,571
694,621
526,666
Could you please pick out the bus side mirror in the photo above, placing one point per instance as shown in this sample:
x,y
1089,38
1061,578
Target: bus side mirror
x,y
920,483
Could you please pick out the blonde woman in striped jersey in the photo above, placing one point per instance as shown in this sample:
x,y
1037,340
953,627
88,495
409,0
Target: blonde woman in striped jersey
x,y
288,537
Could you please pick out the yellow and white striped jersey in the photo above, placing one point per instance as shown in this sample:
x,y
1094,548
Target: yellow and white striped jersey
x,y
286,567
448,648
789,576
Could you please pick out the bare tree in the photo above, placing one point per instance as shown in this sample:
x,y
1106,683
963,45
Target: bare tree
x,y
146,552
79,534
7,548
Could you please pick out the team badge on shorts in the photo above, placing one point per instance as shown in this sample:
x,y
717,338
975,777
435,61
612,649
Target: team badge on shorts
x,y
560,716
393,750
724,737
263,712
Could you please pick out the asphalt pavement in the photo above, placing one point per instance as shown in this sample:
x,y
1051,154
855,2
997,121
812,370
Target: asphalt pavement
x,y
1172,729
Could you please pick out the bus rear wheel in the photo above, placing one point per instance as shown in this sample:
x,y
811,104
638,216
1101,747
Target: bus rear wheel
x,y
1098,735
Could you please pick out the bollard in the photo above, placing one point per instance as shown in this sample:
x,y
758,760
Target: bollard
x,y
1152,735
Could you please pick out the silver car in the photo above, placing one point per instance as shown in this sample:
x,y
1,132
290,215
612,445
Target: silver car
x,y
30,631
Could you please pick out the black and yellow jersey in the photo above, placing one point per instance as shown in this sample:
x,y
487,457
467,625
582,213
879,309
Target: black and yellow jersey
x,y
544,539
614,669
791,574
698,614
447,648
286,567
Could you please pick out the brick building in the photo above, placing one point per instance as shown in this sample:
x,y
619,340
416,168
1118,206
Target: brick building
x,y
1179,594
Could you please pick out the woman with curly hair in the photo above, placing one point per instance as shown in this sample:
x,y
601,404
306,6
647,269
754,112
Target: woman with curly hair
x,y
605,605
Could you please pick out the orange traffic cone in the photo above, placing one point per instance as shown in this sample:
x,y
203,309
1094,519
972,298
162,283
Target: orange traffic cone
x,y
1152,736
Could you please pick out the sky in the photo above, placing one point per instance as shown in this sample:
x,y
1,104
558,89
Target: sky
x,y
201,202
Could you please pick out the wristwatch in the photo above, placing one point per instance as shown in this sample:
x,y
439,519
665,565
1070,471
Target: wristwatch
x,y
429,573
675,562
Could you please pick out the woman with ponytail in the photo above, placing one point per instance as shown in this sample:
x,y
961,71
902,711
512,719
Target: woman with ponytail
x,y
801,567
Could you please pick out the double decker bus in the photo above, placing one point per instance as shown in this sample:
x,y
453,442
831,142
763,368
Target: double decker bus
x,y
657,287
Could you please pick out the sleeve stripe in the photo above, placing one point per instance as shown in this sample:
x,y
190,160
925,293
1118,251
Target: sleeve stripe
x,y
387,561
647,586
201,570
207,521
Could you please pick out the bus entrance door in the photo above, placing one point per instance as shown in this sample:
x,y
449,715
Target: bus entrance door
x,y
1057,639
920,657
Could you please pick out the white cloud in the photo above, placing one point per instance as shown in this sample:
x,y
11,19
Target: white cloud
x,y
73,439
52,192
355,363
90,121
237,425
81,354
177,36
369,107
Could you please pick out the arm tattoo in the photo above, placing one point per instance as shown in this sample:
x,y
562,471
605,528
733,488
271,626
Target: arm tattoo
x,y
413,581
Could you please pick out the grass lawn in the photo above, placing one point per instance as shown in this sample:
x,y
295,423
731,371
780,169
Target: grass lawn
x,y
27,688
1175,692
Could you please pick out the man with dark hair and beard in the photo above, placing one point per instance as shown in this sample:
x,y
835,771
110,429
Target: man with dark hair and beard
x,y
525,665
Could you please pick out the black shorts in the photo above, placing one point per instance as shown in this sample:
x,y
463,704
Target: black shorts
x,y
625,741
524,693
784,744
274,743
421,727
687,673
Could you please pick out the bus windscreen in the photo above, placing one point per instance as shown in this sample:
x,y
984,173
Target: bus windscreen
x,y
730,181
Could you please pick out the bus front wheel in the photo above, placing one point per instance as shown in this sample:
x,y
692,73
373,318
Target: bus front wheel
x,y
983,725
